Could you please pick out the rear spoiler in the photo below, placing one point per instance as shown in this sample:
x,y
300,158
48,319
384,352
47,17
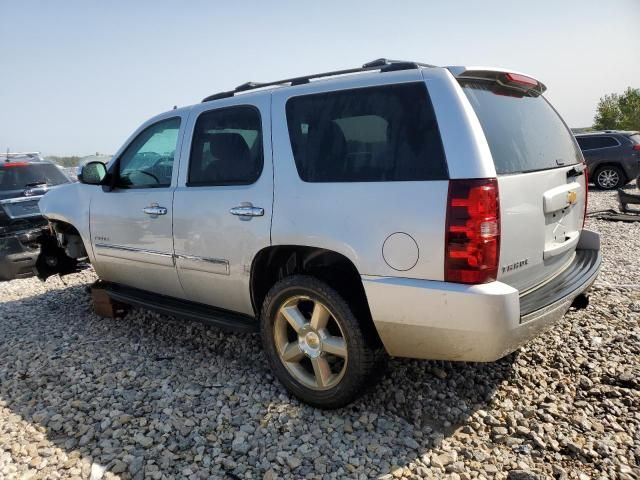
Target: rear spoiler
x,y
509,78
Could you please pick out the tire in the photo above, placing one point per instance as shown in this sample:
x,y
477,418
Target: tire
x,y
609,177
300,347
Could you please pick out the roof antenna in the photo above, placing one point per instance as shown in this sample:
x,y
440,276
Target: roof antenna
x,y
175,107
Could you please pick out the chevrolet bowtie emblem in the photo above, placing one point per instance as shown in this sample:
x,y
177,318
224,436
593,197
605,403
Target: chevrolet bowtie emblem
x,y
572,197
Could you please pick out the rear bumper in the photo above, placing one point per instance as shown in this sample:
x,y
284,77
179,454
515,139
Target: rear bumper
x,y
446,321
18,254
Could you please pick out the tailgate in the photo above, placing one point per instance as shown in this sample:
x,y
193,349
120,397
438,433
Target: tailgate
x,y
541,219
541,179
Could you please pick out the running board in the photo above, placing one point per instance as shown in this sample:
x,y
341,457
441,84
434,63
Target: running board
x,y
175,307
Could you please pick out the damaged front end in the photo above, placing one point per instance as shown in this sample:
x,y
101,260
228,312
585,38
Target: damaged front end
x,y
61,252
19,251
40,249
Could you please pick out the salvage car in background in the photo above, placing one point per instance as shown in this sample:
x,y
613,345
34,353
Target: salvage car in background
x,y
612,156
400,208
24,179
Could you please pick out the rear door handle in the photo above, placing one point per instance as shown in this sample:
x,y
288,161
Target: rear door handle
x,y
154,210
247,210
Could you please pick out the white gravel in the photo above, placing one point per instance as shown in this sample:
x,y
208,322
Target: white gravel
x,y
153,397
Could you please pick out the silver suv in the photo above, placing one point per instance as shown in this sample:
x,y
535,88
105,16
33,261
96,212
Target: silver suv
x,y
394,209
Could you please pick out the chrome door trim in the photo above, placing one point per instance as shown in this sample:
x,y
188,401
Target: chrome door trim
x,y
247,211
135,254
207,264
132,249
154,210
21,199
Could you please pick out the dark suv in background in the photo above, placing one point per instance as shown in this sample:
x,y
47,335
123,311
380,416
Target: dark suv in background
x,y
612,156
24,179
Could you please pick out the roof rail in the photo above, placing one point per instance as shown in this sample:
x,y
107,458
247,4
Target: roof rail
x,y
9,155
381,64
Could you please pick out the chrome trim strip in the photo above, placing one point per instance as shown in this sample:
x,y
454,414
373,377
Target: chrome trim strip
x,y
13,201
212,261
21,199
132,249
222,264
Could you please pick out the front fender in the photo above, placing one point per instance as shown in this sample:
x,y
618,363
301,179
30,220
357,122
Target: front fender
x,y
70,204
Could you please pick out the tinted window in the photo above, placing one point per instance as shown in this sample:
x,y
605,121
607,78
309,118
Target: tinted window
x,y
148,160
589,143
374,134
20,176
524,132
226,147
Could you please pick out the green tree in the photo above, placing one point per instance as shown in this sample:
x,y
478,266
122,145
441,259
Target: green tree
x,y
621,112
629,104
607,113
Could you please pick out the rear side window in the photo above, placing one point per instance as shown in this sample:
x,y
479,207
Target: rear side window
x,y
591,143
377,134
226,147
16,177
524,132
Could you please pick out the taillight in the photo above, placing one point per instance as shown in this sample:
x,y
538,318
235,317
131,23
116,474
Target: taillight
x,y
636,147
472,243
15,164
586,194
516,78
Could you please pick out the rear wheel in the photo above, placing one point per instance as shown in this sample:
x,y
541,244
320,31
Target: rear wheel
x,y
609,177
314,344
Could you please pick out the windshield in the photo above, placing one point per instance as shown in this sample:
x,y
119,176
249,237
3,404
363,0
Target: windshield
x,y
18,177
524,132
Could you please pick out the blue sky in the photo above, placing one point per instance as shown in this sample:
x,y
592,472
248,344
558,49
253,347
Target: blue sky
x,y
78,77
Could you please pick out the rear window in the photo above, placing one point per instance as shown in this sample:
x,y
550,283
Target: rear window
x,y
21,176
591,143
377,134
524,132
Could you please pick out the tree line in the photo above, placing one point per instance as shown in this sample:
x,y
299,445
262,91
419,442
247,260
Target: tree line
x,y
619,111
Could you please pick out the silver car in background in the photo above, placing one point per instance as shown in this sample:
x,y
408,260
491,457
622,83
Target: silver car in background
x,y
394,209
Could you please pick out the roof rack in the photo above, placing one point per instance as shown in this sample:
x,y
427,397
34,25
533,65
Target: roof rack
x,y
8,155
381,64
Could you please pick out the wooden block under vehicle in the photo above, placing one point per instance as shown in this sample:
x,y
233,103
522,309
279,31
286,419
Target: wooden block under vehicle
x,y
104,306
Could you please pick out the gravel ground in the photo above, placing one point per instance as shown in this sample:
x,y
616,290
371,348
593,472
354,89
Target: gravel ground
x,y
148,396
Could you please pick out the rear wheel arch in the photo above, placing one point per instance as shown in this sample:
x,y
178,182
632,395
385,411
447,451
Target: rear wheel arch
x,y
275,263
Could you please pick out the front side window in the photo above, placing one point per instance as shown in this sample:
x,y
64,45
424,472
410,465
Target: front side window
x,y
148,160
226,147
377,134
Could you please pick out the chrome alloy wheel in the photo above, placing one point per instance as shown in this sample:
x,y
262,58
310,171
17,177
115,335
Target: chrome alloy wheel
x,y
310,343
608,178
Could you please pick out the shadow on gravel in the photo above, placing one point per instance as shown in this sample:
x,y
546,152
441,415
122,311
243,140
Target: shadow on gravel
x,y
153,395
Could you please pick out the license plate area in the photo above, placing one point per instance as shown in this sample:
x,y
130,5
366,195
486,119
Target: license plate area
x,y
20,208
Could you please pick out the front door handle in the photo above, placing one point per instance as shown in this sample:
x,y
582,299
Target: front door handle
x,y
154,210
247,210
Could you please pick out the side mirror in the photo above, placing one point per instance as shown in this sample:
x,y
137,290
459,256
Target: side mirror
x,y
93,173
